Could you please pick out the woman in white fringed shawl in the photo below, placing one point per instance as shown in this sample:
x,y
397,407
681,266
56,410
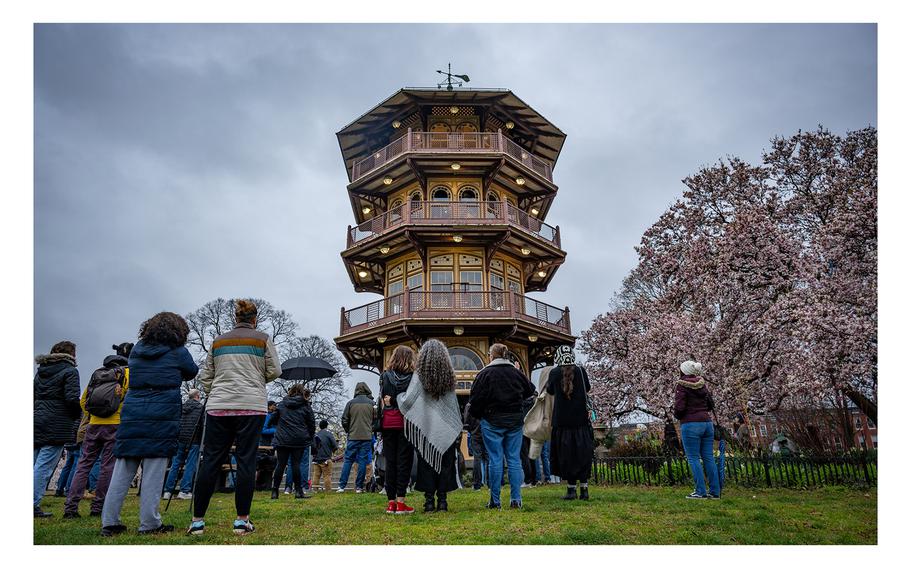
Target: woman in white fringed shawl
x,y
433,423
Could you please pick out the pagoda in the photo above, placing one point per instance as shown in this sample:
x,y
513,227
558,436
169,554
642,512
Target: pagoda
x,y
450,191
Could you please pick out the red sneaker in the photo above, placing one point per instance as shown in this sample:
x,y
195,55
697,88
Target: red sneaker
x,y
403,509
392,508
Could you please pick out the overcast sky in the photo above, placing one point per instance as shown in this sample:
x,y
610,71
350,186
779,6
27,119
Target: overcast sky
x,y
178,163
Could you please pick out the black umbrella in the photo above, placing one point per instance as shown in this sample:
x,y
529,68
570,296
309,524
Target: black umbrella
x,y
306,369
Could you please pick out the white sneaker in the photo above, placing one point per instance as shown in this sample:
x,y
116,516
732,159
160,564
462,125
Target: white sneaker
x,y
358,491
339,490
525,485
287,491
166,496
184,495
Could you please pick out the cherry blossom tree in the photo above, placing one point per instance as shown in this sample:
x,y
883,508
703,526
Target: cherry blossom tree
x,y
766,274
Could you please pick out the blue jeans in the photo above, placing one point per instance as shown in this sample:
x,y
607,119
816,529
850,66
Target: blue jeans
x,y
503,442
69,469
304,471
698,442
44,462
359,451
93,475
186,454
543,463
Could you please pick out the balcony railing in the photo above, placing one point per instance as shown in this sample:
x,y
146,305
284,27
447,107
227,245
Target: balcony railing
x,y
448,142
453,212
419,304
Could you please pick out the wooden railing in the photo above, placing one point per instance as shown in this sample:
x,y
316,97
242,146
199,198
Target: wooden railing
x,y
449,212
445,142
496,304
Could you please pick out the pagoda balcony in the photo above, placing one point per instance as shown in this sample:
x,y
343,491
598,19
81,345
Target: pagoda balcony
x,y
463,307
448,213
452,142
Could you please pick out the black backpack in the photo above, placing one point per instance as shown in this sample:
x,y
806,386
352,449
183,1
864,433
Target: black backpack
x,y
101,397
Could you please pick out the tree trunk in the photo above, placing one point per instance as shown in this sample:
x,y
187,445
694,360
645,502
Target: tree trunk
x,y
866,405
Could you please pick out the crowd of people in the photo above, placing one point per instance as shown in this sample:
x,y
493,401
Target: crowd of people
x,y
131,416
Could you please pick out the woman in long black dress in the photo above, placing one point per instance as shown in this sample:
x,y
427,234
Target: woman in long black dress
x,y
572,441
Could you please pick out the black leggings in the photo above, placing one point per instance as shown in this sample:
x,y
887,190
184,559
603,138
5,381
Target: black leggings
x,y
399,457
296,457
220,433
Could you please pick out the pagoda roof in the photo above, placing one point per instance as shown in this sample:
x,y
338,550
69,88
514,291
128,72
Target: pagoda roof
x,y
358,138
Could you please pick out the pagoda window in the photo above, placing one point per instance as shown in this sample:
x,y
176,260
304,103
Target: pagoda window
x,y
464,359
415,282
469,210
471,288
395,211
441,283
441,198
394,298
416,200
439,135
493,205
497,294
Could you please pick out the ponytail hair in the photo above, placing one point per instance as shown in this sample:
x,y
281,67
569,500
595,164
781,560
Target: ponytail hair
x,y
568,380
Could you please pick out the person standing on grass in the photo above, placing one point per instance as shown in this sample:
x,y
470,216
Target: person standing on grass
x,y
56,414
302,473
106,390
295,428
692,406
480,470
324,446
497,399
398,452
149,420
187,448
572,440
432,424
357,421
544,475
239,365
73,451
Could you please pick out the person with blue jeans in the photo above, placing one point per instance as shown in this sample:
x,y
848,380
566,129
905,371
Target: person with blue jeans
x,y
357,420
692,406
187,447
497,399
56,414
543,464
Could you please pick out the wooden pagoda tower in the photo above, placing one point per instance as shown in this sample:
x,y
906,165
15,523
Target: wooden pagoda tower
x,y
450,192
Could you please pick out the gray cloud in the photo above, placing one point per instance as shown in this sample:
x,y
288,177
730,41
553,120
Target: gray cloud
x,y
178,163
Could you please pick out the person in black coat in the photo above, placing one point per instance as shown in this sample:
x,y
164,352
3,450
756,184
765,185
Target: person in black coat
x,y
398,452
295,427
56,413
572,440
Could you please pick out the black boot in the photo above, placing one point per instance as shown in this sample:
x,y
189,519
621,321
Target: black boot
x,y
583,493
428,506
274,493
441,503
570,494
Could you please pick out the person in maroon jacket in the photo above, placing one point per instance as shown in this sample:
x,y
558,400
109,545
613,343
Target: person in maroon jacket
x,y
692,408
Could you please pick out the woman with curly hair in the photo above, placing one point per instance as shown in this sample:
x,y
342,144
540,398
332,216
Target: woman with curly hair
x,y
149,420
433,424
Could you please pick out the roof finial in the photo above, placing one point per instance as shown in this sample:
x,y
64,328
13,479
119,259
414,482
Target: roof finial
x,y
449,82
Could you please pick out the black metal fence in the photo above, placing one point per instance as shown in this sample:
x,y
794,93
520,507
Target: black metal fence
x,y
745,471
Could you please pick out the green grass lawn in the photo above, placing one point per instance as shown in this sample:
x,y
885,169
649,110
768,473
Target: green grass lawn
x,y
615,515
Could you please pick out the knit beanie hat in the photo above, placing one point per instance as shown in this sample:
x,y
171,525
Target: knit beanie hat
x,y
691,368
564,355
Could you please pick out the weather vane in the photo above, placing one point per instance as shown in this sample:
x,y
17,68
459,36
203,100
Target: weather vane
x,y
449,82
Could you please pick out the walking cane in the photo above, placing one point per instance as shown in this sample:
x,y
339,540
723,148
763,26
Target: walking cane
x,y
198,458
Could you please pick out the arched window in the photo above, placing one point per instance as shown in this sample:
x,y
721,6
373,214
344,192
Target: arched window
x,y
464,359
440,210
416,200
468,210
467,193
395,211
494,206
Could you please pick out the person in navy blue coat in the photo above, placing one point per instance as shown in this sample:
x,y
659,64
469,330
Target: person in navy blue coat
x,y
150,420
